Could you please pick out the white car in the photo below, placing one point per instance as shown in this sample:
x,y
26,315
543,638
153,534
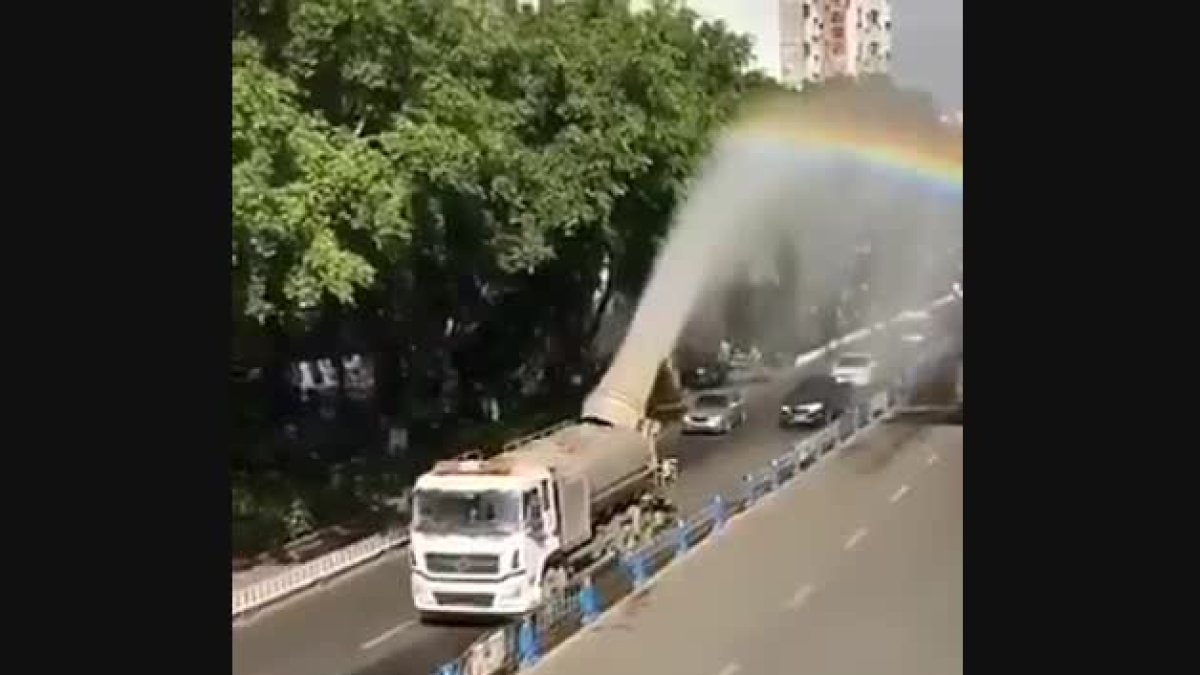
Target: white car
x,y
857,369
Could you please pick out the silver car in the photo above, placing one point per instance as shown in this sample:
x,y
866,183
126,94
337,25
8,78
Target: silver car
x,y
715,413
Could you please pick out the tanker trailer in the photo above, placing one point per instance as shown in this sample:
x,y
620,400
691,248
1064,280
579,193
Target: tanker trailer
x,y
502,535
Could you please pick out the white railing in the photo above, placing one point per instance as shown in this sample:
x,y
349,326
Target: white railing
x,y
267,591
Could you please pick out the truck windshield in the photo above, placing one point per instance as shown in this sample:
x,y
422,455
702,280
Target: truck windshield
x,y
484,512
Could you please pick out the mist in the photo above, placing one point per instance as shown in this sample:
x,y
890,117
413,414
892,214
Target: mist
x,y
795,228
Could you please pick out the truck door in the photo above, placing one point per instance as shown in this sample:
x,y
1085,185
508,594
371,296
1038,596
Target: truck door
x,y
539,545
549,512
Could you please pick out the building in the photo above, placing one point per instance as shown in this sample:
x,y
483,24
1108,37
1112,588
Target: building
x,y
800,42
823,39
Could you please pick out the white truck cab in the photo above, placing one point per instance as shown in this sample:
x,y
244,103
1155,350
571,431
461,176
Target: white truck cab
x,y
501,536
480,538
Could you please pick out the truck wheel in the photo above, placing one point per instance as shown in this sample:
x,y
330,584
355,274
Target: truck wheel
x,y
554,585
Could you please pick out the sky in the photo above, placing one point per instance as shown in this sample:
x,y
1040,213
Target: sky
x,y
927,48
927,40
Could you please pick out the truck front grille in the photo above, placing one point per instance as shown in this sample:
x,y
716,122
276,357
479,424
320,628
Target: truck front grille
x,y
453,563
464,599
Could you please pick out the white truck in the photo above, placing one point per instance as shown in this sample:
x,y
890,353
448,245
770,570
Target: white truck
x,y
500,536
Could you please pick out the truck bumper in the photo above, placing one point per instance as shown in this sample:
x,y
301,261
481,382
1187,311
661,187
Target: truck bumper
x,y
509,597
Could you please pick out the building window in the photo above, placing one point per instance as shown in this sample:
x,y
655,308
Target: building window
x,y
836,17
807,49
873,17
805,11
838,32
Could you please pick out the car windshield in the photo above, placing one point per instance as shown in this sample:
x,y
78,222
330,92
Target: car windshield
x,y
712,401
482,512
856,361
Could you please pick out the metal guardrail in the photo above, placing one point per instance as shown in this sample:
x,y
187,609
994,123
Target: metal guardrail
x,y
262,593
519,646
267,591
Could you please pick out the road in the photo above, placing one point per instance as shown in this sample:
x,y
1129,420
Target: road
x,y
364,621
855,569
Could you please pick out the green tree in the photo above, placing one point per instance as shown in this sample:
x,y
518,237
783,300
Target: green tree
x,y
311,203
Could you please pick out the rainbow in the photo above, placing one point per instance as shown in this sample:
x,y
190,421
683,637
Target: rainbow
x,y
919,149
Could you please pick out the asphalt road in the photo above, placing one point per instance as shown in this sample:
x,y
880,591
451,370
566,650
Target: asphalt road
x,y
364,621
856,569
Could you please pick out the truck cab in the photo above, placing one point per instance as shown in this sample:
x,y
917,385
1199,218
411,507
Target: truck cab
x,y
481,537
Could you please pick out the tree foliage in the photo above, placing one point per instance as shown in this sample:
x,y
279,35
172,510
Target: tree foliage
x,y
453,178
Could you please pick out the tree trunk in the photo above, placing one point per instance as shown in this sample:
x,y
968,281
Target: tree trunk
x,y
281,395
597,321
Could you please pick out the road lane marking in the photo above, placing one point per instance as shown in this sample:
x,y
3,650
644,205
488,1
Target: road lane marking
x,y
855,538
730,669
800,596
899,493
387,635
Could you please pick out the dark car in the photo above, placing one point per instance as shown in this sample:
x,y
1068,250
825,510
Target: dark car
x,y
816,401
